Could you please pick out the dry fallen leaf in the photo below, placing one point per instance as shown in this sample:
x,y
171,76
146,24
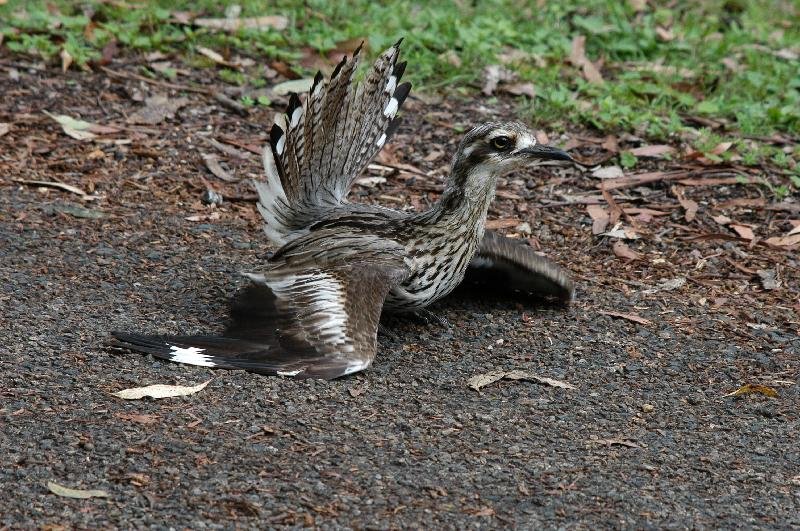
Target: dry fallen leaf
x,y
578,57
613,442
628,316
346,48
493,75
66,492
721,148
623,251
667,285
216,57
80,212
784,241
357,391
600,218
750,389
542,137
608,172
370,182
611,144
621,232
277,22
786,53
494,224
80,129
66,59
157,108
638,179
60,186
520,89
295,85
665,34
524,375
159,391
213,216
743,231
790,239
4,128
689,205
769,279
137,417
652,151
732,64
638,5
482,380
108,52
213,165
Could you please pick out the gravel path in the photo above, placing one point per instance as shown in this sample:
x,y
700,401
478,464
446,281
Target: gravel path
x,y
646,439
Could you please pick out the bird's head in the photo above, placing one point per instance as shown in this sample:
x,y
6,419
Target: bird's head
x,y
493,149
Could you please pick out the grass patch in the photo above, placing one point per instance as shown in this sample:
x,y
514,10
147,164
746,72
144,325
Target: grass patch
x,y
730,61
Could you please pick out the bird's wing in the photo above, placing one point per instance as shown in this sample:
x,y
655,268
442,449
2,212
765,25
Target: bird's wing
x,y
516,267
306,323
320,146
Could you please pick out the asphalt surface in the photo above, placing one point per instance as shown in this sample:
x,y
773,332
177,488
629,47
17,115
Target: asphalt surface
x,y
406,443
647,438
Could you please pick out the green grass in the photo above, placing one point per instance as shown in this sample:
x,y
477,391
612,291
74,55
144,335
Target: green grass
x,y
651,84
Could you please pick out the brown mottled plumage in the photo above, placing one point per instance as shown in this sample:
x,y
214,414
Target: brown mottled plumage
x,y
313,310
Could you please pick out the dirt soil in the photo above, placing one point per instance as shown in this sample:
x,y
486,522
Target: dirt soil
x,y
663,327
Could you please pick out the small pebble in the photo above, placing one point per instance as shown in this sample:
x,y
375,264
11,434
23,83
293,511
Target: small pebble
x,y
210,197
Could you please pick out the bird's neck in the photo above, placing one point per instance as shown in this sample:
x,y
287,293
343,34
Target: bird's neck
x,y
465,200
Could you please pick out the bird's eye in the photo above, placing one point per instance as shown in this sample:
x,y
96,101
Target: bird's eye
x,y
501,142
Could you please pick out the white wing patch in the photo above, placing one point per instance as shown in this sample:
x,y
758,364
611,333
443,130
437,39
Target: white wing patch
x,y
271,198
296,115
190,355
324,313
391,108
391,85
381,141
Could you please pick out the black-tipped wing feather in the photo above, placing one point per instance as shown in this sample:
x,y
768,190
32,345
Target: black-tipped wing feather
x,y
308,323
516,267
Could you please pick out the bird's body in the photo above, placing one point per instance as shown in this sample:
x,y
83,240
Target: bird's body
x,y
436,246
313,310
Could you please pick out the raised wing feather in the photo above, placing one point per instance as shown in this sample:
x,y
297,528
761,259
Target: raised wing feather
x,y
308,323
513,266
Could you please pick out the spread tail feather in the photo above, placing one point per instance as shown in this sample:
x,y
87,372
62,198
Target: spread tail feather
x,y
319,147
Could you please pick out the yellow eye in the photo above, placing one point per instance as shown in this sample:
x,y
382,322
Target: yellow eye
x,y
501,142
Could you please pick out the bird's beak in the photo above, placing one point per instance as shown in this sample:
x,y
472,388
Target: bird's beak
x,y
543,152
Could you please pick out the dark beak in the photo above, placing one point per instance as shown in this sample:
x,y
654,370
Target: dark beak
x,y
542,152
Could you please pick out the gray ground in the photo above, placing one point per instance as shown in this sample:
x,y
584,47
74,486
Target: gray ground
x,y
645,440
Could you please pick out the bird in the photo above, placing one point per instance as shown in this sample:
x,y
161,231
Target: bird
x,y
313,309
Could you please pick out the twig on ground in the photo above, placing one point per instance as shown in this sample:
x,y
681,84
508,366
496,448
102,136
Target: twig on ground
x,y
56,184
156,82
231,104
